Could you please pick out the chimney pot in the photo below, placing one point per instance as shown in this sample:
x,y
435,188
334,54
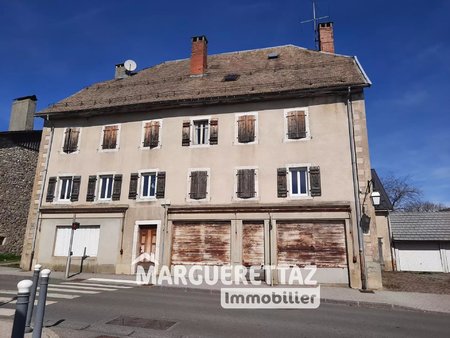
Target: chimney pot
x,y
326,37
22,113
199,55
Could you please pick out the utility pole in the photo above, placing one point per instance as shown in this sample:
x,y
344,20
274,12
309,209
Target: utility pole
x,y
75,226
315,20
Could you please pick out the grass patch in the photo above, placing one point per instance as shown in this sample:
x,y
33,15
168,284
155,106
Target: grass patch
x,y
8,257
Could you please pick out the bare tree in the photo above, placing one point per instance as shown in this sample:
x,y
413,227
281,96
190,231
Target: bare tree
x,y
424,206
401,191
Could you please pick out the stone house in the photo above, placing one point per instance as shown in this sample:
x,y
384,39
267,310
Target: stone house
x,y
19,149
252,157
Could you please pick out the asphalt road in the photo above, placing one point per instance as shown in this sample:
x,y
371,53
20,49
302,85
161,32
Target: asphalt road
x,y
198,313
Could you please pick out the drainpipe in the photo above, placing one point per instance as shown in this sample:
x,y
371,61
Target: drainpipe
x,y
362,257
44,179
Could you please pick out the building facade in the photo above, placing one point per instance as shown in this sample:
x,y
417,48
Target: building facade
x,y
237,158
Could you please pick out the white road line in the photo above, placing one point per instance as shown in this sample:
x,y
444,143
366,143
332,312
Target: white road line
x,y
7,312
50,295
101,285
82,287
107,280
49,302
5,299
72,291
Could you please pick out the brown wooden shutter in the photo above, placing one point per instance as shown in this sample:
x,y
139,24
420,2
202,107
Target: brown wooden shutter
x,y
186,141
154,135
51,189
161,184
282,182
133,186
147,134
110,137
199,181
71,140
75,188
246,128
314,178
91,189
296,122
117,187
214,131
246,183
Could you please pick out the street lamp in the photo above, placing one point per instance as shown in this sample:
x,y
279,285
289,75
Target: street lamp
x,y
376,197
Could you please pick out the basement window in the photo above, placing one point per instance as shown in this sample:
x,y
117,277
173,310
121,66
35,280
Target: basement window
x,y
2,240
230,77
273,55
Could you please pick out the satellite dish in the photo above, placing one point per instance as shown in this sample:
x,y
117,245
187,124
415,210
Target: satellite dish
x,y
130,65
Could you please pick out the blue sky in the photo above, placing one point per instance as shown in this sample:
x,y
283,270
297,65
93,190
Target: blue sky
x,y
55,48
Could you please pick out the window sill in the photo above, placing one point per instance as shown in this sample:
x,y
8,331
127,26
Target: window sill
x,y
293,197
108,150
244,144
71,153
143,199
290,140
199,145
148,148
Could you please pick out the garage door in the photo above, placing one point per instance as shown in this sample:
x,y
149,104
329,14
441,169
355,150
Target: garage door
x,y
253,243
419,256
302,243
201,243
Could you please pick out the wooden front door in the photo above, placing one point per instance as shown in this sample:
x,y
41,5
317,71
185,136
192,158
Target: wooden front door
x,y
147,241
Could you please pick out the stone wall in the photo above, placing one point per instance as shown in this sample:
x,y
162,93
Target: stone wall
x,y
18,158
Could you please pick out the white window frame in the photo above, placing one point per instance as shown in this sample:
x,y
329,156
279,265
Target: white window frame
x,y
289,181
236,128
235,186
141,173
119,127
59,182
141,146
89,253
192,131
99,186
208,184
308,132
64,137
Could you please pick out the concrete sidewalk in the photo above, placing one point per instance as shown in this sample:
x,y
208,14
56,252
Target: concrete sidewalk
x,y
329,294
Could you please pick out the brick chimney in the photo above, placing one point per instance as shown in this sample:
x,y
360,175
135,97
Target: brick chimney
x,y
199,55
22,113
326,37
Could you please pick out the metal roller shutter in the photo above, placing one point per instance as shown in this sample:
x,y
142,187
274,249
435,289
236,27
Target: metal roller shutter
x,y
201,243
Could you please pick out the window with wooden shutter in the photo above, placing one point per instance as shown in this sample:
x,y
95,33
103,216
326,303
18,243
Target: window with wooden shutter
x,y
296,124
186,134
314,177
75,188
71,140
133,186
110,137
91,188
214,131
51,189
117,187
151,134
282,182
161,184
246,187
246,128
199,182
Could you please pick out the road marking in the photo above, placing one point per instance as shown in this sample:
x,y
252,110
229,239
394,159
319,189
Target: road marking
x,y
73,290
6,299
7,312
101,285
82,287
49,302
123,281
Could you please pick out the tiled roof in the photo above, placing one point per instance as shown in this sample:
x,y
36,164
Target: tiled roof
x,y
295,69
423,226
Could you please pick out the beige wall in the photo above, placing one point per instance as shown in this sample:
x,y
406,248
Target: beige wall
x,y
383,233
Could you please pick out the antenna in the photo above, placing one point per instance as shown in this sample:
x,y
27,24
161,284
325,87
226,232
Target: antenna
x,y
130,65
315,20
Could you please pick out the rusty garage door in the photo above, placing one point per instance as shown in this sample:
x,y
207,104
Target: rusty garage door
x,y
319,243
201,243
253,243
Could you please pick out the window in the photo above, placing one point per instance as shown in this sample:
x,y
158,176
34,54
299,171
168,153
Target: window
x,y
84,238
148,185
296,124
151,137
110,137
65,188
68,188
71,137
2,240
200,132
246,128
304,180
246,183
198,182
299,181
106,187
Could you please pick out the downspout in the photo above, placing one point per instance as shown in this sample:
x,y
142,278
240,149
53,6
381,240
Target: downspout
x,y
362,258
44,179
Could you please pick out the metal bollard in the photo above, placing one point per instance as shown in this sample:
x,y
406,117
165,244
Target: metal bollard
x,y
21,308
40,311
37,269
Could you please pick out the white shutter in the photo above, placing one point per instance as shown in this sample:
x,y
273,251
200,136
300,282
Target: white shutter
x,y
62,241
83,237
